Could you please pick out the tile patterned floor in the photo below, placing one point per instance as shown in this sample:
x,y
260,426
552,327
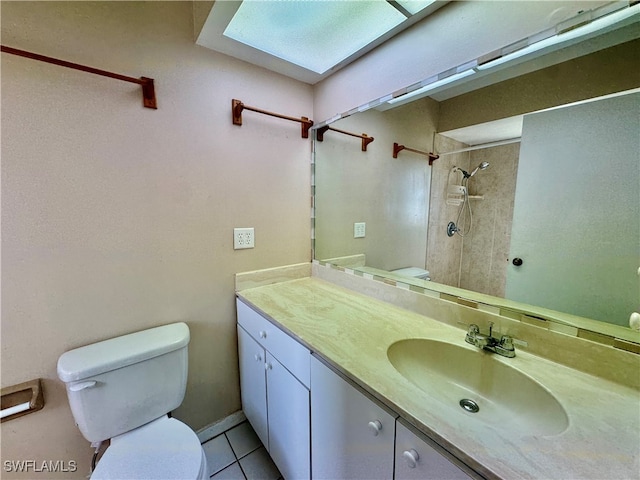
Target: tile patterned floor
x,y
238,454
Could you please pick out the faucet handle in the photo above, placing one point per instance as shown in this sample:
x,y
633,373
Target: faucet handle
x,y
506,342
505,347
470,337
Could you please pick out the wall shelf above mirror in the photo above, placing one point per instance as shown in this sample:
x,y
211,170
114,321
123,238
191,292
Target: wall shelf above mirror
x,y
594,160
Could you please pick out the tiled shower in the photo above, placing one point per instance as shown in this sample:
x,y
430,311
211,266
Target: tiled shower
x,y
479,260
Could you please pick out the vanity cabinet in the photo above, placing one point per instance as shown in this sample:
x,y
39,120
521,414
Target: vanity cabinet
x,y
418,458
351,436
316,424
274,383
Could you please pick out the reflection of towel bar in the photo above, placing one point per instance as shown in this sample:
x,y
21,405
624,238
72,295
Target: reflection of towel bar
x,y
397,148
21,399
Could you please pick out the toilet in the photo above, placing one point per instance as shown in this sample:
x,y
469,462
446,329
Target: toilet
x,y
412,272
123,389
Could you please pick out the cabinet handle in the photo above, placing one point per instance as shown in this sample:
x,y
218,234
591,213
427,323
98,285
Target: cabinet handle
x,y
411,456
268,366
258,357
263,334
375,427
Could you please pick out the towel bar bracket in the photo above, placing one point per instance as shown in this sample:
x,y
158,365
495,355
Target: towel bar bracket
x,y
366,139
237,107
148,89
397,148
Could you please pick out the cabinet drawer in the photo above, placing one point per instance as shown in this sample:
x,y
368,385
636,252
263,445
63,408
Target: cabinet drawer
x,y
419,458
291,354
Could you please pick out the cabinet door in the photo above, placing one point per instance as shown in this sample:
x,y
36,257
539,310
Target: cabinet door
x,y
416,459
288,405
293,355
253,386
351,436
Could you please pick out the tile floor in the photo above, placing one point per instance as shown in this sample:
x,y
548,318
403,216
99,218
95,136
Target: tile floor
x,y
238,454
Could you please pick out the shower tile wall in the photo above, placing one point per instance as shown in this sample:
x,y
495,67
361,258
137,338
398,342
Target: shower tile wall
x,y
479,261
485,250
444,252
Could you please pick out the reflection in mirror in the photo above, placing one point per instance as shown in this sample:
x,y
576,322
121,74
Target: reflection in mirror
x,y
551,225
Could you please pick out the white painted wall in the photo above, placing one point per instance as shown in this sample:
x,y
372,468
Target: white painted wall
x,y
116,218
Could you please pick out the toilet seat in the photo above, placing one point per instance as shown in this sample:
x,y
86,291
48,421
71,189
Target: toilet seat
x,y
414,272
162,449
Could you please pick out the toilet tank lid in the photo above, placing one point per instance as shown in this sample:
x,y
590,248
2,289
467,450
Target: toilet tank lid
x,y
101,357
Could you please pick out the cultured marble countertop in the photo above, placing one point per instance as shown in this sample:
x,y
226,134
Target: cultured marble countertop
x,y
352,332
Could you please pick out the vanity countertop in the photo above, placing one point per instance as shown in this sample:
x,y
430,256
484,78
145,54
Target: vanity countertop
x,y
352,332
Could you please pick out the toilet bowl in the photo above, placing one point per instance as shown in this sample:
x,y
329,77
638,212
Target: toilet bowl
x,y
122,389
164,448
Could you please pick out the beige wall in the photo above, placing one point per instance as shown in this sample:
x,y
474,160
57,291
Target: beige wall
x,y
390,195
116,218
607,71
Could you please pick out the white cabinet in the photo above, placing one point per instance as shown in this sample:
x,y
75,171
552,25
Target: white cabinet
x,y
351,436
418,458
253,384
288,409
275,398
316,424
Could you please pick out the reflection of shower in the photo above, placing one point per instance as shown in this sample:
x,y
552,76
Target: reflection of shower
x,y
482,166
461,221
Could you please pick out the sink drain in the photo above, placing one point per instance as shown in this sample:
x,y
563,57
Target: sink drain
x,y
469,405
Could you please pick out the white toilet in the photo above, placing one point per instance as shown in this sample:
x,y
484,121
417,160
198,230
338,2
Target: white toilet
x,y
122,389
413,272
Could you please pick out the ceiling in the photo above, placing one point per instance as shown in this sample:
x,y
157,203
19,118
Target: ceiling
x,y
271,34
307,40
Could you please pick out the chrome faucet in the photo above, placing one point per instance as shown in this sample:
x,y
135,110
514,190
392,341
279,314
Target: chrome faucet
x,y
503,346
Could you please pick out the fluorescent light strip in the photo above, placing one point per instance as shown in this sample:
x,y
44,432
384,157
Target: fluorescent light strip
x,y
594,26
432,85
471,67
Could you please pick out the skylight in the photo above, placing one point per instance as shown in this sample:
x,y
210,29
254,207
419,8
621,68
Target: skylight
x,y
317,34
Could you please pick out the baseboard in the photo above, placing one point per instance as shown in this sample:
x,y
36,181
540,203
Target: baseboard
x,y
221,426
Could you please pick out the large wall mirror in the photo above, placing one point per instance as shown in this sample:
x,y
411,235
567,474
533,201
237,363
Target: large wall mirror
x,y
533,203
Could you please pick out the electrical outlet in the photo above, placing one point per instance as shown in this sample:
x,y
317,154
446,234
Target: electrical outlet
x,y
243,238
359,229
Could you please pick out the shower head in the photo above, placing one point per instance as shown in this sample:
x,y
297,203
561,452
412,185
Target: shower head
x,y
482,166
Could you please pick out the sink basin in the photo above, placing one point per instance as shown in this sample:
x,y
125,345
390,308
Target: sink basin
x,y
507,398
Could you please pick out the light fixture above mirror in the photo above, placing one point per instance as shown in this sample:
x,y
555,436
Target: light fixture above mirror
x,y
576,36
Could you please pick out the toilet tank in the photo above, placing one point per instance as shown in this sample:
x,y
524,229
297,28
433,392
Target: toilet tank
x,y
119,384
